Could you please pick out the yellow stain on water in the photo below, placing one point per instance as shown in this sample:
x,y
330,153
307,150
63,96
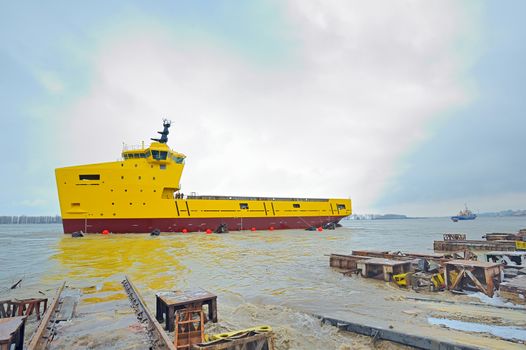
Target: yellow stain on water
x,y
98,263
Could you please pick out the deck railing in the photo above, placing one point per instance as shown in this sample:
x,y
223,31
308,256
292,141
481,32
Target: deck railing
x,y
257,198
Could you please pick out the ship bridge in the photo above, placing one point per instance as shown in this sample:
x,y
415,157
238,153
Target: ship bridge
x,y
158,153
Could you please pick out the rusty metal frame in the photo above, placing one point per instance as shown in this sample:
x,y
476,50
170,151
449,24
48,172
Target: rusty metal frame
x,y
38,337
157,336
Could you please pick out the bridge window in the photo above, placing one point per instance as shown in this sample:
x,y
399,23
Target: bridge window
x,y
340,206
147,153
89,177
243,205
178,160
159,155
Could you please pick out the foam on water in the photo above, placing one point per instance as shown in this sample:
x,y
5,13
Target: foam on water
x,y
277,278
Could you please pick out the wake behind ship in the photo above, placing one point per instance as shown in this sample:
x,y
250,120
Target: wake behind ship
x,y
141,193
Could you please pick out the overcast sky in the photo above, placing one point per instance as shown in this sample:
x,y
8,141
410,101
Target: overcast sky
x,y
412,107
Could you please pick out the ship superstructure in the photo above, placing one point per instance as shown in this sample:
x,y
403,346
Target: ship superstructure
x,y
141,193
465,214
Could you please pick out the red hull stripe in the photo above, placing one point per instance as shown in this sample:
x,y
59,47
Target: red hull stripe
x,y
194,224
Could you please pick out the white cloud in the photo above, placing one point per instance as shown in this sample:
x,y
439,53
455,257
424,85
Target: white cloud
x,y
331,119
50,81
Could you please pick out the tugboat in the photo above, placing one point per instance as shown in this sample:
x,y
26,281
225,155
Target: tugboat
x,y
141,193
465,214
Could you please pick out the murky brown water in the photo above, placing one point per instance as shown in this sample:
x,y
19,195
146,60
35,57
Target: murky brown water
x,y
277,278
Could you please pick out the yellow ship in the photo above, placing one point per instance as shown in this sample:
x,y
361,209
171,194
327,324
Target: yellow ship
x,y
141,193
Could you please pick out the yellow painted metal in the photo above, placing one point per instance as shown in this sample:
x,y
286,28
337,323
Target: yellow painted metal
x,y
453,275
259,329
401,279
438,280
520,245
140,186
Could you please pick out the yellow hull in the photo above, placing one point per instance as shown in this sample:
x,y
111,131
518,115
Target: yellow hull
x,y
140,194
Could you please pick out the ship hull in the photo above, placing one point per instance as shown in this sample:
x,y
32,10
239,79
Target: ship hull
x,y
195,224
462,218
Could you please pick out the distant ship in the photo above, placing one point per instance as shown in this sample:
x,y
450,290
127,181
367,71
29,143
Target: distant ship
x,y
465,214
141,193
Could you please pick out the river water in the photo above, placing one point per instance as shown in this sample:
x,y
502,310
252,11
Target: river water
x,y
279,278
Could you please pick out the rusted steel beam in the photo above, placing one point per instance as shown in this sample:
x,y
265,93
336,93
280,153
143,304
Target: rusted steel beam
x,y
416,341
454,236
347,262
157,336
454,246
43,334
514,290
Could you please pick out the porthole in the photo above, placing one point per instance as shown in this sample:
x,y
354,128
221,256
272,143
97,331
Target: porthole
x,y
122,177
130,203
144,204
136,165
139,177
113,214
154,177
113,203
125,190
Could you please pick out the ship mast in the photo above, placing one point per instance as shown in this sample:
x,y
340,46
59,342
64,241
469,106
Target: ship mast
x,y
164,133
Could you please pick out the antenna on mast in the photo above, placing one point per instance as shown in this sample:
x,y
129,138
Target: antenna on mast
x,y
164,134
